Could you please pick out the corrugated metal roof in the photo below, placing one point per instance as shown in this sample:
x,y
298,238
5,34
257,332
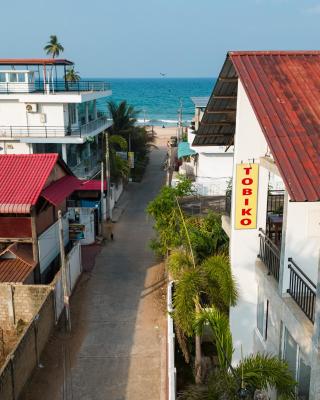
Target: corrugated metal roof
x,y
14,270
22,178
93,184
284,90
200,102
59,190
23,251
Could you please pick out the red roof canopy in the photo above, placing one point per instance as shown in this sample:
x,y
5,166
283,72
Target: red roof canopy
x,y
93,184
59,190
34,61
284,90
19,268
22,179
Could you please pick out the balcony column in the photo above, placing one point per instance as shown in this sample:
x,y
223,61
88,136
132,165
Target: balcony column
x,y
64,152
315,361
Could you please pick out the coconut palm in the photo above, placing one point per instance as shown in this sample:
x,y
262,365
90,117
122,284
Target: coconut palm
x,y
72,75
198,285
254,374
119,168
123,116
53,47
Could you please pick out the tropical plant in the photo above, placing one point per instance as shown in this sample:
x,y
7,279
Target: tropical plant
x,y
255,373
198,285
124,117
72,75
53,47
118,167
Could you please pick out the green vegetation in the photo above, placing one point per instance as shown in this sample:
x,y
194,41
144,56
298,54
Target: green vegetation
x,y
137,137
53,47
72,75
204,290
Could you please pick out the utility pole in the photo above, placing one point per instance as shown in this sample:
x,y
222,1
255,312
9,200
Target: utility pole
x,y
64,273
102,200
107,161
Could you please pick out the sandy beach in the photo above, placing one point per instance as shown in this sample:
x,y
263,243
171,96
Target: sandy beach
x,y
164,134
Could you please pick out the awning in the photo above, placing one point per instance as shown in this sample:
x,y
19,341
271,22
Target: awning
x,y
93,184
184,150
58,191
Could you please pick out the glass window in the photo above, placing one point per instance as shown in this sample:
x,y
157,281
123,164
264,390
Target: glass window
x,y
72,114
31,77
2,77
92,110
13,77
303,380
82,113
21,77
290,352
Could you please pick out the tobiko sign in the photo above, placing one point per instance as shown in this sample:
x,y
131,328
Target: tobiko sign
x,y
247,176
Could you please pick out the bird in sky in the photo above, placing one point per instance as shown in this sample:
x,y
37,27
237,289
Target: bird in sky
x,y
163,74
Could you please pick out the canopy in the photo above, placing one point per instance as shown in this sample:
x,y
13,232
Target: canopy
x,y
184,150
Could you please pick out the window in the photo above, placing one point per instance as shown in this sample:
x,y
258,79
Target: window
x,y
2,77
300,370
21,77
262,315
72,114
13,77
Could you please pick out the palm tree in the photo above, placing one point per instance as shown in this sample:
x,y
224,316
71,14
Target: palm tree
x,y
254,374
124,117
198,285
53,47
119,167
72,75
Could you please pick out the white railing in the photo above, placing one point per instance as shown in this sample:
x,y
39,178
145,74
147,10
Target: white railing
x,y
170,346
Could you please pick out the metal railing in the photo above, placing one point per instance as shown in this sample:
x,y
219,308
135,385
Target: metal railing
x,y
270,254
56,86
275,201
52,131
302,290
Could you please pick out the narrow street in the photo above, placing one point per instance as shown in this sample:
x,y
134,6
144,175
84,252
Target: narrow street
x,y
117,347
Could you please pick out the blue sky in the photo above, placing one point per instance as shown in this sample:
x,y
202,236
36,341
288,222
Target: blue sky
x,y
141,38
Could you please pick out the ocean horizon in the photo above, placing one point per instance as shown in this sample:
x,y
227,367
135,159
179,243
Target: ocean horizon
x,y
158,99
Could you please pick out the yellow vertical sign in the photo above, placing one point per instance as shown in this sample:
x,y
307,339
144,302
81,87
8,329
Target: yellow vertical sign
x,y
247,176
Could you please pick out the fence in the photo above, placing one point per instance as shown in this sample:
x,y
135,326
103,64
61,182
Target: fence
x,y
270,254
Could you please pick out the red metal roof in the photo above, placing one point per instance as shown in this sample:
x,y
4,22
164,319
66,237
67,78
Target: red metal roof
x,y
19,268
14,270
93,184
284,90
22,178
34,61
59,190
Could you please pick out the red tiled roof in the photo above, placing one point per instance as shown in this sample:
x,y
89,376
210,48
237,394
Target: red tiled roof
x,y
35,61
284,90
59,190
93,184
23,251
22,178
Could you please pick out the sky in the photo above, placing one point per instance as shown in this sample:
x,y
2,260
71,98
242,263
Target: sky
x,y
141,38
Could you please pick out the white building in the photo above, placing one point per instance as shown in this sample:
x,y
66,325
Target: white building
x,y
41,112
210,166
272,99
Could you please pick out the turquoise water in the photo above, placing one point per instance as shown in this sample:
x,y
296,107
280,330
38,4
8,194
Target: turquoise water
x,y
158,99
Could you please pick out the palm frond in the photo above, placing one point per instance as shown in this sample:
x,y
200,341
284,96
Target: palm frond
x,y
178,262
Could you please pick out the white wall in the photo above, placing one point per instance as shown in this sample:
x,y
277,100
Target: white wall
x,y
14,147
250,145
302,239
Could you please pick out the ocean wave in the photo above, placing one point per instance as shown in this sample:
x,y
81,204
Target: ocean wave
x,y
161,121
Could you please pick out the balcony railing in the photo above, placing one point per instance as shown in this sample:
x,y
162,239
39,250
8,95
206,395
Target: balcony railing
x,y
302,290
52,131
269,254
56,86
275,201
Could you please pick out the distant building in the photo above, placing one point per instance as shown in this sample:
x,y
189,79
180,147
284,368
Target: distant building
x,y
42,112
266,105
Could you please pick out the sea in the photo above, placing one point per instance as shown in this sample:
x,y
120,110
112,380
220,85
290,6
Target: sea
x,y
158,100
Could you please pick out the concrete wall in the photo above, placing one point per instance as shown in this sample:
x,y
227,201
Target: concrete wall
x,y
14,147
25,355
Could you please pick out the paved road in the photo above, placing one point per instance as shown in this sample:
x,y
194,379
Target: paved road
x,y
117,347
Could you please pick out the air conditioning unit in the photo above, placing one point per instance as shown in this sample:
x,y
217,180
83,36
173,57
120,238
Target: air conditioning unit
x,y
32,108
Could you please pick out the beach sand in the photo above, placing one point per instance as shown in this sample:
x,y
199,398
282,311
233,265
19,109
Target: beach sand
x,y
163,134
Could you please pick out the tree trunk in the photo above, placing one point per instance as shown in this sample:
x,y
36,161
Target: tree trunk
x,y
198,356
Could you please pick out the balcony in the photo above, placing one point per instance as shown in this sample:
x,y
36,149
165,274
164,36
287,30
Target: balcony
x,y
53,131
275,216
269,253
302,290
54,87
